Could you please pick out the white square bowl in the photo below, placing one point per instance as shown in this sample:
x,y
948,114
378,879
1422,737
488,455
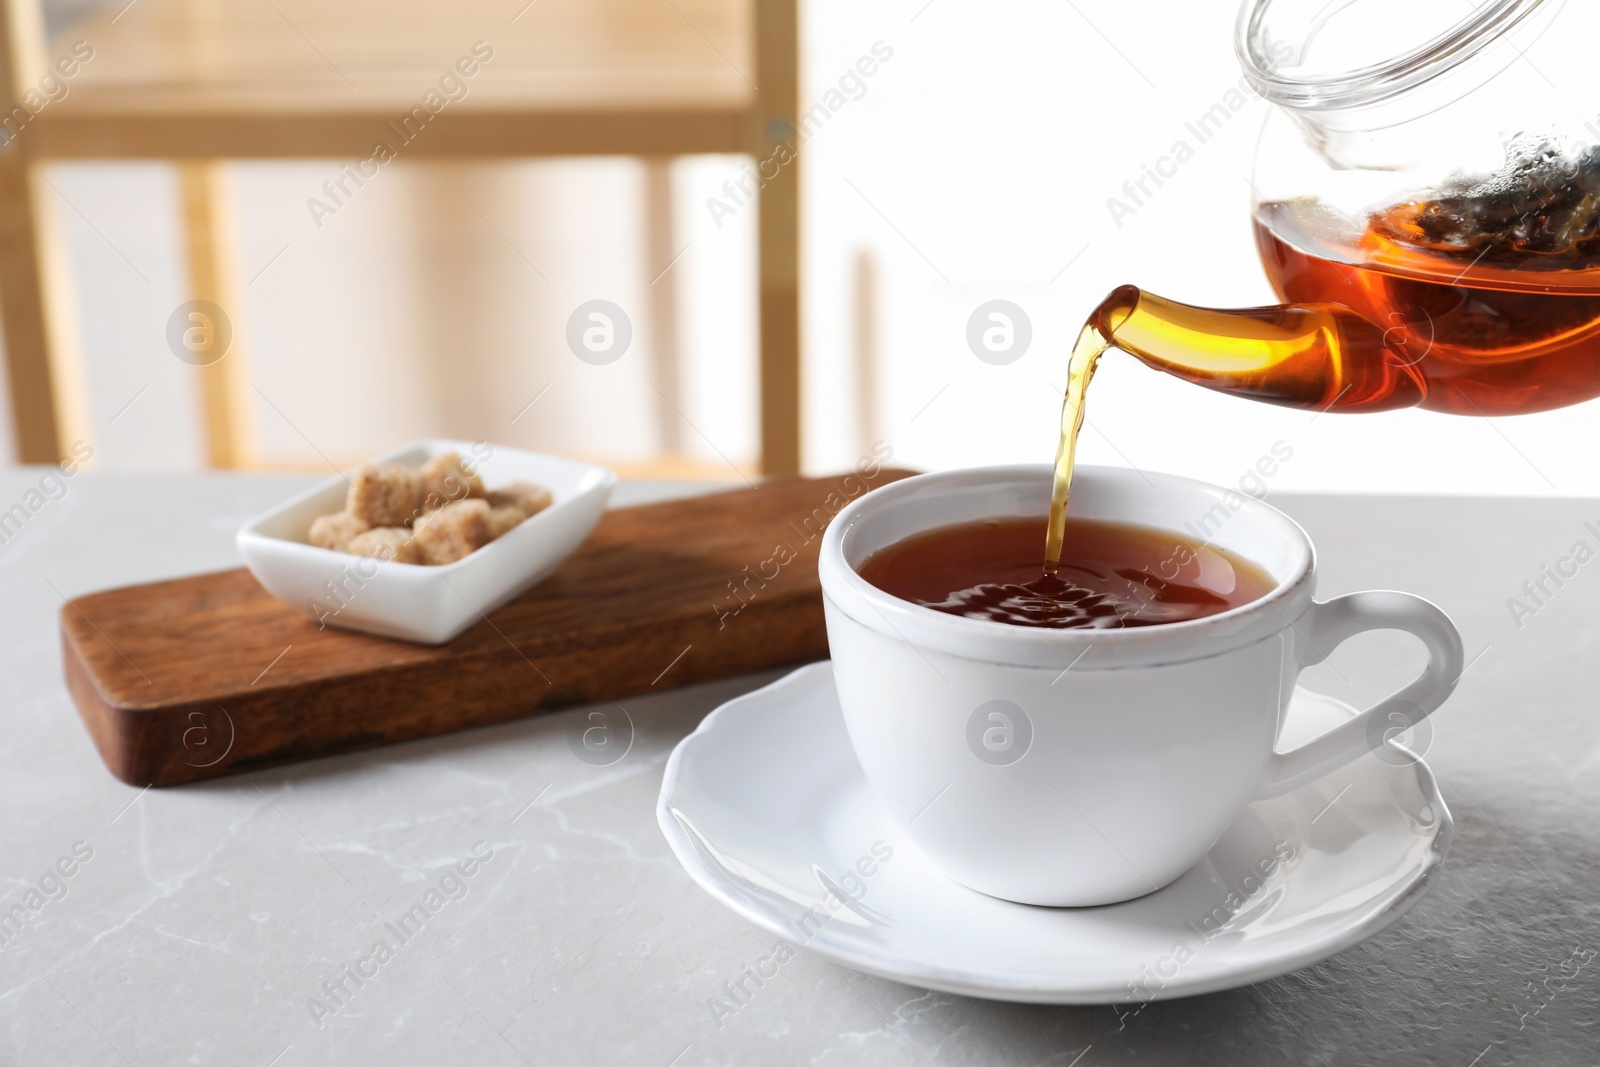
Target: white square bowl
x,y
410,601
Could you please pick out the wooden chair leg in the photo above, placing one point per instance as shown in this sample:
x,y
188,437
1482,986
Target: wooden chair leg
x,y
226,406
778,66
868,426
660,260
48,412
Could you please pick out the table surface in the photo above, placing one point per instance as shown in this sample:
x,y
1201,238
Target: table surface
x,y
206,918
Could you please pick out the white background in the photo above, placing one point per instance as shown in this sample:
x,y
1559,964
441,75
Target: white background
x,y
976,166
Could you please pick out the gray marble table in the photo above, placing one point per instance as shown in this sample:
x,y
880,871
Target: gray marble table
x,y
199,925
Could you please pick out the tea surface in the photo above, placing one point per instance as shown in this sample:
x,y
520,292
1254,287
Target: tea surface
x,y
1110,575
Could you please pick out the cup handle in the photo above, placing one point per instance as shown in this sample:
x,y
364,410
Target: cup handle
x,y
1322,628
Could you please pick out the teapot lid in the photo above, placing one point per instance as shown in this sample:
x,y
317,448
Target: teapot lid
x,y
1315,55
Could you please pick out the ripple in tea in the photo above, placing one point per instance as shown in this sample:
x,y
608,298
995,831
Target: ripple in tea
x,y
1110,575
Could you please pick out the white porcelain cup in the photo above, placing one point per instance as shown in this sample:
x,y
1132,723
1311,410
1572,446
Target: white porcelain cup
x,y
1080,767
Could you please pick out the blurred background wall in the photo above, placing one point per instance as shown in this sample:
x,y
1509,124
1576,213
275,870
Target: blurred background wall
x,y
975,164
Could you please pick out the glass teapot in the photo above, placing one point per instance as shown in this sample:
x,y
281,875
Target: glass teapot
x,y
1426,202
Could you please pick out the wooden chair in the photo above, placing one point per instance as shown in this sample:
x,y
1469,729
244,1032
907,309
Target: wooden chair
x,y
199,81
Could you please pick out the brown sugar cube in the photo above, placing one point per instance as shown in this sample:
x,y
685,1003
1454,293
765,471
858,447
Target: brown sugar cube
x,y
502,520
453,532
446,478
335,531
385,494
530,499
388,543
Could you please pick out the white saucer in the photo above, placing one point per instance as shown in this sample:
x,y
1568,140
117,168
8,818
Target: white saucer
x,y
766,808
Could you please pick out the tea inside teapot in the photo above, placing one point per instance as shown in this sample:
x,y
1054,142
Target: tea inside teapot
x,y
1479,298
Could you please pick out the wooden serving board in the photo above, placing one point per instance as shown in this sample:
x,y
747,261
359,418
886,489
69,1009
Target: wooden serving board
x,y
210,675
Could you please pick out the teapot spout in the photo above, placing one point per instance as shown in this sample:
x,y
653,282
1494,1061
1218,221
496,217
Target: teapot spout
x,y
1318,356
